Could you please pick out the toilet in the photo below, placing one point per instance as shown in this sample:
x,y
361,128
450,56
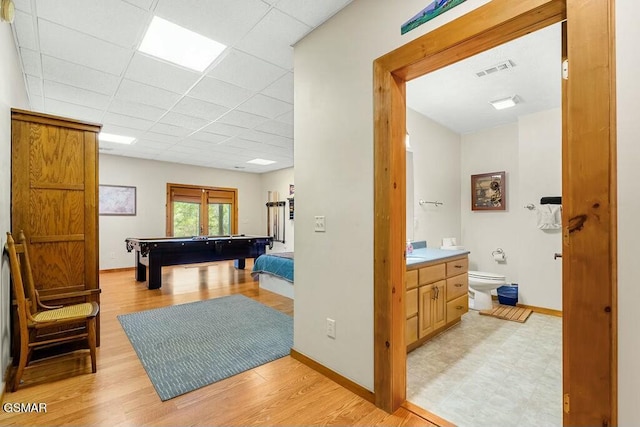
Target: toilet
x,y
480,286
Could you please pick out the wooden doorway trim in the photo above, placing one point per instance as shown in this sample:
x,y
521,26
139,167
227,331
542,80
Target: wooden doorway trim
x,y
589,188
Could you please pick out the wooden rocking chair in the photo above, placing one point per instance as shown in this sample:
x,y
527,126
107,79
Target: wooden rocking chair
x,y
33,316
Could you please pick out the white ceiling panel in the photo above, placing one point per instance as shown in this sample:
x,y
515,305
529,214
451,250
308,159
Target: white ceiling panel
x,y
113,20
181,120
198,108
127,121
154,72
66,109
265,106
75,95
78,76
26,34
242,119
31,64
277,128
244,70
145,94
281,89
219,92
134,109
311,12
72,46
79,60
225,21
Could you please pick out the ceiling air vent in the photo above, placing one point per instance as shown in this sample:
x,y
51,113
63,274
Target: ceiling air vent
x,y
505,65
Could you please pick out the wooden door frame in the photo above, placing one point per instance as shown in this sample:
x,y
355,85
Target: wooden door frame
x,y
589,191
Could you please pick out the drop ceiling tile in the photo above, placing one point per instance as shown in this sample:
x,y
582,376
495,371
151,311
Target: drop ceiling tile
x,y
72,111
242,119
31,63
24,5
268,138
170,130
247,71
134,109
286,118
265,106
185,149
142,4
150,144
208,137
272,37
205,147
145,94
198,108
159,137
79,48
277,128
36,103
225,21
281,89
114,21
34,86
181,120
74,95
219,92
121,130
127,121
23,24
311,12
79,76
154,72
224,129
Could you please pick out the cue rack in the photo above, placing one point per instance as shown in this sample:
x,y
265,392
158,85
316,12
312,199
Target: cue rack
x,y
275,216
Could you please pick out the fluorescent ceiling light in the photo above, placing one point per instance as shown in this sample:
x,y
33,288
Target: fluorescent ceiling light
x,y
176,44
262,162
109,137
501,104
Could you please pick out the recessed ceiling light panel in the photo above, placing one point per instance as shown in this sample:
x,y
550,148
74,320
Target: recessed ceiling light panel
x,y
501,104
179,45
119,139
262,162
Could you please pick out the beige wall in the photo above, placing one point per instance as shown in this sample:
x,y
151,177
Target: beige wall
x,y
12,95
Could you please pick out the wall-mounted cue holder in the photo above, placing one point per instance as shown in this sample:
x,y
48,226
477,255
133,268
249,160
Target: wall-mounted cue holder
x,y
291,207
275,216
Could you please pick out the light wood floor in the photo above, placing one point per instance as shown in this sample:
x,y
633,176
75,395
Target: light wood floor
x,y
120,393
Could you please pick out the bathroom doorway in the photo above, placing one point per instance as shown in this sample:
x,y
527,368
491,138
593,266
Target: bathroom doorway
x,y
486,371
589,236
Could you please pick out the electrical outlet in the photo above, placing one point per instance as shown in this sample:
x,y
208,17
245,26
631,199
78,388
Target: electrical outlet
x,y
331,328
319,225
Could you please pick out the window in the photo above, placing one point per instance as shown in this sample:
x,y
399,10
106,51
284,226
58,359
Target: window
x,y
205,211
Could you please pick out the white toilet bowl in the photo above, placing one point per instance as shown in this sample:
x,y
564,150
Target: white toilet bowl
x,y
480,286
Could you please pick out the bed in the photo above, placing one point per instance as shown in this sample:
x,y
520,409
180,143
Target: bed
x,y
275,272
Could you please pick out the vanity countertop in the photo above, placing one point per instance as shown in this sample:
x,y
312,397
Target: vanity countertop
x,y
429,255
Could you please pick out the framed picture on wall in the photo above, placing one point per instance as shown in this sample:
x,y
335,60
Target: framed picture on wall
x,y
488,192
117,200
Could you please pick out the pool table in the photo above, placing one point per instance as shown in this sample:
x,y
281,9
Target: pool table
x,y
154,253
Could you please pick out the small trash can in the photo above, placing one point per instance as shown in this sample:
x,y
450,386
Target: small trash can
x,y
508,294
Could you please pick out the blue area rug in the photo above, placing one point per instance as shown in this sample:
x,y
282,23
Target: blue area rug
x,y
185,347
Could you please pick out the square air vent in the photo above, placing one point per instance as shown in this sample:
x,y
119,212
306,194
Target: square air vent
x,y
505,65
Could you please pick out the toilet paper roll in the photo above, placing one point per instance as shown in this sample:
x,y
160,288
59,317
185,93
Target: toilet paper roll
x,y
499,257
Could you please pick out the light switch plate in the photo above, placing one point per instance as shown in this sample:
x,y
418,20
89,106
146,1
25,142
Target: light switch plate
x,y
319,225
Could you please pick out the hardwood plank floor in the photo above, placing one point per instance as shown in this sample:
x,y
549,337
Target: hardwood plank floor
x,y
283,392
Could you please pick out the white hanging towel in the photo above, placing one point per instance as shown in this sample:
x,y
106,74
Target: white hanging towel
x,y
549,217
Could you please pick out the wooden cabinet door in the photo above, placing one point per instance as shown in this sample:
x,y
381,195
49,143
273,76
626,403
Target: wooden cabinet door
x,y
425,311
440,305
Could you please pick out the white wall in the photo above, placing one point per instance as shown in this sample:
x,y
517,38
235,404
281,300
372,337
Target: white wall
x,y
12,95
150,178
491,150
436,176
334,177
279,181
540,174
628,96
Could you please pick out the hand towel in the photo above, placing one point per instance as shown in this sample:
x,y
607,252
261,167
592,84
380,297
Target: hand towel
x,y
549,217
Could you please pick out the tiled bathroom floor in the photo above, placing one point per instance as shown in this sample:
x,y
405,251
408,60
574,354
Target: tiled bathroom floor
x,y
491,372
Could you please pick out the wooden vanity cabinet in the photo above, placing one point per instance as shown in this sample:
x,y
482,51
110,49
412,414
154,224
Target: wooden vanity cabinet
x,y
436,298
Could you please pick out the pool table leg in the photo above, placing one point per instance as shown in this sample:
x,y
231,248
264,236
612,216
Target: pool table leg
x,y
155,274
141,269
239,264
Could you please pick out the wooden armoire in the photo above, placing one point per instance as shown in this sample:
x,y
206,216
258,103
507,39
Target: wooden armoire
x,y
54,199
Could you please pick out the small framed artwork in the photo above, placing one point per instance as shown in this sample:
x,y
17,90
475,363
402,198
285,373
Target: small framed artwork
x,y
488,192
117,200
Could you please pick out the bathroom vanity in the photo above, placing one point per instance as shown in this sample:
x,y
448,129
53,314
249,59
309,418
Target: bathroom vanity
x,y
437,287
